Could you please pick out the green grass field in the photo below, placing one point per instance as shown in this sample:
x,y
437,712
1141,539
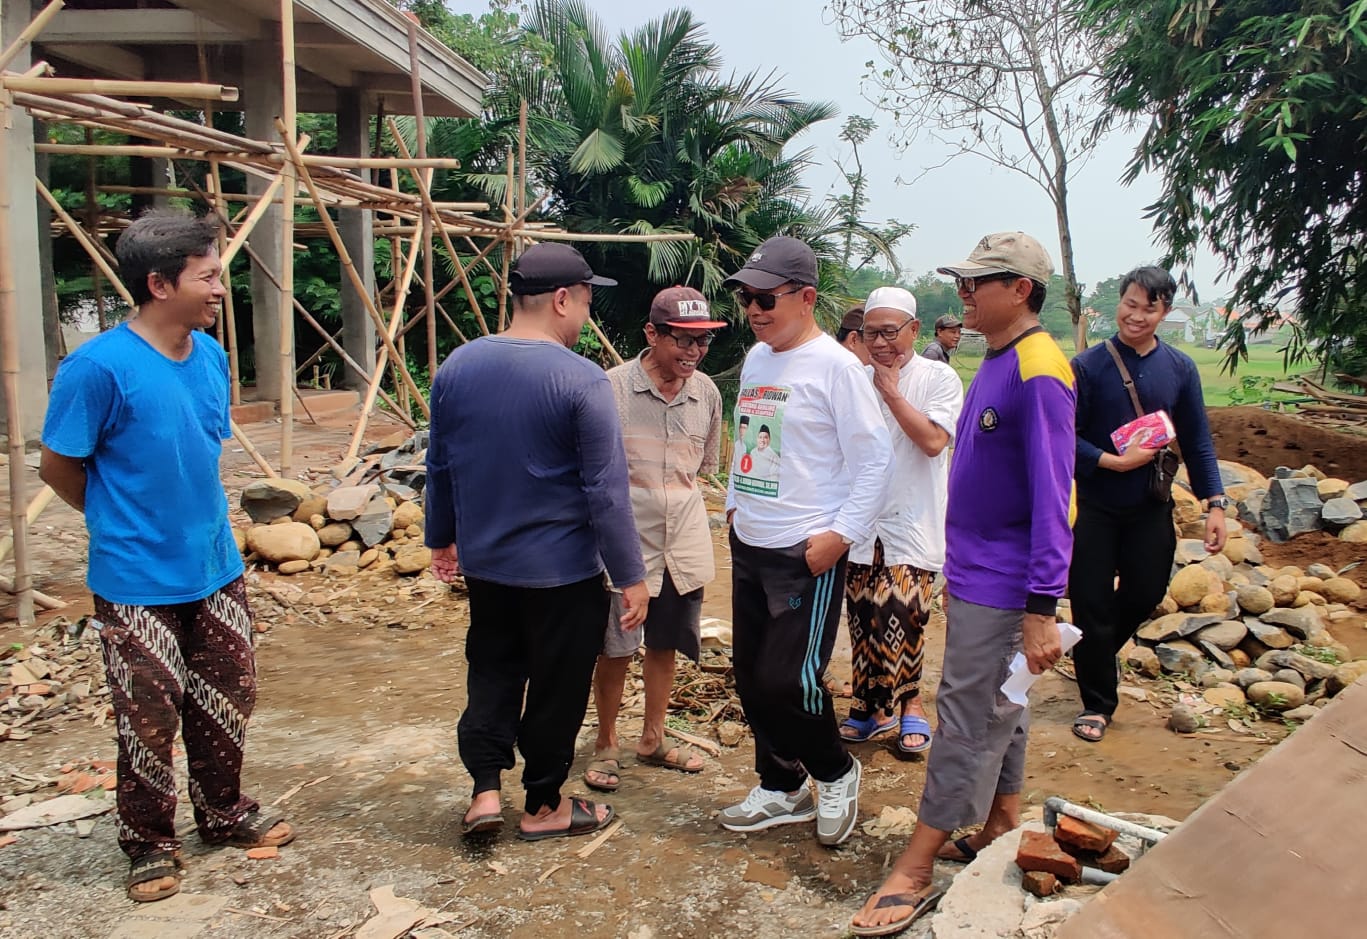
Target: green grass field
x,y
1264,366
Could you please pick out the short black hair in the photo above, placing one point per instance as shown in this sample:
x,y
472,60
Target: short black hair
x,y
842,334
1155,281
1037,294
162,242
745,418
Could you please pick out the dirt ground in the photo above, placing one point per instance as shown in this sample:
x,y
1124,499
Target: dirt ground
x,y
1267,439
362,682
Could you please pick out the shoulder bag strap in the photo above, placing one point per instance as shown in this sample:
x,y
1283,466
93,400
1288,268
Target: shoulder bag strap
x,y
1125,377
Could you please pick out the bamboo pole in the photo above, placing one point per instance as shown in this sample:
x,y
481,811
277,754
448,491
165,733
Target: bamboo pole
x,y
396,251
350,267
37,598
249,448
229,317
36,26
429,301
508,248
80,235
289,189
245,229
391,330
212,191
35,509
92,220
9,373
128,89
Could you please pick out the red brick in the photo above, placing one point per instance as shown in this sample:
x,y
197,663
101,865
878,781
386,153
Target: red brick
x,y
1083,835
1114,861
1040,883
1039,852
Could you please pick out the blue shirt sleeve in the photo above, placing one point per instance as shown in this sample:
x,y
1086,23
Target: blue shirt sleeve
x,y
1088,458
439,506
81,407
1193,435
1051,412
603,467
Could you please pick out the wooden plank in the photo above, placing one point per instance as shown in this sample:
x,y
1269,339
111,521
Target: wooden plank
x,y
1276,853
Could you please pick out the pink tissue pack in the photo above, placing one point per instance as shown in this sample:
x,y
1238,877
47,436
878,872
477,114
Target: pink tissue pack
x,y
1151,431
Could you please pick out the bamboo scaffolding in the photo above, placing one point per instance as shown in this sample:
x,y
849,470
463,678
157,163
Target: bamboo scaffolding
x,y
228,321
429,301
36,26
287,125
100,86
35,508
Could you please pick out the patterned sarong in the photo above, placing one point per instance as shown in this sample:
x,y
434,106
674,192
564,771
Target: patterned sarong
x,y
888,606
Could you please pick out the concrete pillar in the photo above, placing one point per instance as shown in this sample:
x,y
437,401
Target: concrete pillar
x,y
153,173
262,100
356,227
16,150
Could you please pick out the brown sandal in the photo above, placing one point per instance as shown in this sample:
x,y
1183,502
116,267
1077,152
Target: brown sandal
x,y
682,756
605,763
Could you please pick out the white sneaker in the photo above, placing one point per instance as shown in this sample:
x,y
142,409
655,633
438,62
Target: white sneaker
x,y
837,807
765,808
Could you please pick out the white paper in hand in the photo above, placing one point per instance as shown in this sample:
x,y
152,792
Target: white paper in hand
x,y
1020,678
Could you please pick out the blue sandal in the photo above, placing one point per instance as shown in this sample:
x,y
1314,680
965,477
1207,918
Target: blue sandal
x,y
914,724
866,729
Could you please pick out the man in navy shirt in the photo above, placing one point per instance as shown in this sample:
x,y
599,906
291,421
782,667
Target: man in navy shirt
x,y
527,497
132,440
1122,531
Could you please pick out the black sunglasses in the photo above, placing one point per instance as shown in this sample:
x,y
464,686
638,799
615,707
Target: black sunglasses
x,y
765,301
971,284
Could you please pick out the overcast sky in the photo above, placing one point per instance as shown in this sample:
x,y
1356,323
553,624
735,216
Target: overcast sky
x,y
952,207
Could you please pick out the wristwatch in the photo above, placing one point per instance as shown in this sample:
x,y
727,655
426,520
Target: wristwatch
x,y
1217,502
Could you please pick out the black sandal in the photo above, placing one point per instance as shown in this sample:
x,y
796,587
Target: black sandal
x,y
254,828
1093,719
150,867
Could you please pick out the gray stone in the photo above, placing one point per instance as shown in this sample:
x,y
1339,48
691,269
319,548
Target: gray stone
x,y
1145,661
375,522
1217,676
400,492
1308,667
1217,563
1292,508
1274,637
1322,571
343,562
348,502
1357,492
265,500
1282,472
1276,695
1301,622
1216,654
716,520
1180,657
1253,599
1183,720
1251,506
1224,635
330,536
1191,551
1339,512
1250,676
1290,676
1177,626
1303,713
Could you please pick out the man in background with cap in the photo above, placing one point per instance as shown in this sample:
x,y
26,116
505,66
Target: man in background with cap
x,y
891,574
1008,543
849,335
671,419
791,530
527,497
949,329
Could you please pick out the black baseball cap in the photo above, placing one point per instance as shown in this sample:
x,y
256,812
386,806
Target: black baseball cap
x,y
550,266
778,261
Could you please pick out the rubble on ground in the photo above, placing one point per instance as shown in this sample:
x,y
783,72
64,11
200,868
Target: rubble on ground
x,y
1290,503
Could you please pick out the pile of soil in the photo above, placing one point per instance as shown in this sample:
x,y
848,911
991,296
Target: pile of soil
x,y
1265,440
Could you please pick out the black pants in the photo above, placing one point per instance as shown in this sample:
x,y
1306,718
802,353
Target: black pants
x,y
537,643
1137,545
784,623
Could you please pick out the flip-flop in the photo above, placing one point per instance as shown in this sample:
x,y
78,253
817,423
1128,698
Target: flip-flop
x,y
913,724
866,728
605,763
965,850
583,821
481,824
1094,720
920,902
661,758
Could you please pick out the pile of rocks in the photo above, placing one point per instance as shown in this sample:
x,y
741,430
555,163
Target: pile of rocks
x,y
342,527
61,677
1050,861
1294,501
1249,635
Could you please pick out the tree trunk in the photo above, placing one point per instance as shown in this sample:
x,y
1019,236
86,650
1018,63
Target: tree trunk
x,y
1065,240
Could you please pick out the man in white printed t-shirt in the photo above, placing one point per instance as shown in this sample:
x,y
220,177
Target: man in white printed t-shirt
x,y
817,488
891,575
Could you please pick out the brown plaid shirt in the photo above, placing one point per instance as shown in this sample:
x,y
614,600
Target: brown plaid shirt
x,y
669,444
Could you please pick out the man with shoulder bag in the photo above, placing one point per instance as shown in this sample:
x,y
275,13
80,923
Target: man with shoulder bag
x,y
1124,539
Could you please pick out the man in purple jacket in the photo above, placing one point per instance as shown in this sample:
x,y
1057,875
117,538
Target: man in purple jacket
x,y
1008,543
527,497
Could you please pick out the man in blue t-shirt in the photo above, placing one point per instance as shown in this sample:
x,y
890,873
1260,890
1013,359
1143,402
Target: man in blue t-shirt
x,y
1124,539
527,496
132,439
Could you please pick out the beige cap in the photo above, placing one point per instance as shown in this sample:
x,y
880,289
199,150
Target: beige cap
x,y
1007,252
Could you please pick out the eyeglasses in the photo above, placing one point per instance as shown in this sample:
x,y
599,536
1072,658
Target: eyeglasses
x,y
690,339
888,333
971,284
765,301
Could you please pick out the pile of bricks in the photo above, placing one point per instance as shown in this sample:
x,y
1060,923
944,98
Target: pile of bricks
x,y
1050,861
